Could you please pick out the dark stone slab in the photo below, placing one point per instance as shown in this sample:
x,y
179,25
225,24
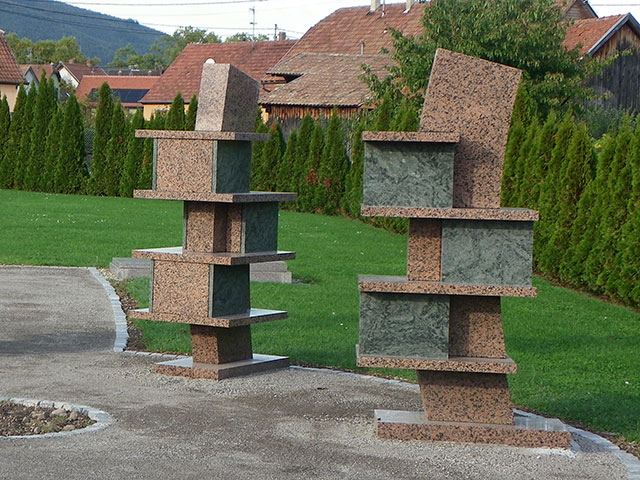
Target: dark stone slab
x,y
230,294
260,227
231,167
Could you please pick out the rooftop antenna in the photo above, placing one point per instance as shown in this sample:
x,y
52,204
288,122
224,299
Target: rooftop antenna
x,y
253,24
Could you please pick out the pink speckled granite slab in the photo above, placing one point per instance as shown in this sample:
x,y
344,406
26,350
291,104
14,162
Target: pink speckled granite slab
x,y
216,197
177,254
512,214
398,284
474,97
466,397
196,135
423,250
186,367
423,137
227,99
201,223
402,425
170,292
255,315
475,327
215,345
184,165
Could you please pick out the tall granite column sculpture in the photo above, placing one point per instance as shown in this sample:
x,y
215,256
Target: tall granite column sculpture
x,y
205,282
443,319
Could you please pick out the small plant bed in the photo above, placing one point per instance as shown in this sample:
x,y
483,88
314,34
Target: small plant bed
x,y
16,419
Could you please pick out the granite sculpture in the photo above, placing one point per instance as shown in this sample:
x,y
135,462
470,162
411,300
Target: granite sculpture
x,y
464,252
205,282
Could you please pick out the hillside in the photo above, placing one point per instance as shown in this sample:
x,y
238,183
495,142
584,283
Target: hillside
x,y
97,34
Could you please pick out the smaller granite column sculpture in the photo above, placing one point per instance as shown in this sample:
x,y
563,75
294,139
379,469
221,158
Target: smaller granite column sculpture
x,y
205,282
443,319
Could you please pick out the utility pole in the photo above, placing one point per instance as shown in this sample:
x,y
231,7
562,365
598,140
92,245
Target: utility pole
x,y
275,32
253,24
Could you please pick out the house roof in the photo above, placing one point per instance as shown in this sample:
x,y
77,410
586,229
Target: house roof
x,y
130,89
37,69
325,79
581,8
183,75
79,70
357,30
591,33
9,70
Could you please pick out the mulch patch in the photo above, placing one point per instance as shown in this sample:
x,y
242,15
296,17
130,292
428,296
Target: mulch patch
x,y
16,419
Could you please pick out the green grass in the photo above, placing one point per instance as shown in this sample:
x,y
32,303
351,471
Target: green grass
x,y
578,357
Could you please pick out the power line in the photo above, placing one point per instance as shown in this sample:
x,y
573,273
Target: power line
x,y
68,14
181,4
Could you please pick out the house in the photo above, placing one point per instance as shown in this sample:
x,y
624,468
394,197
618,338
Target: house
x,y
72,73
183,75
601,38
10,75
32,74
129,89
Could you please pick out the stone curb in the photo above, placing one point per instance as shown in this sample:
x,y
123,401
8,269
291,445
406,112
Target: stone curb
x,y
120,318
102,419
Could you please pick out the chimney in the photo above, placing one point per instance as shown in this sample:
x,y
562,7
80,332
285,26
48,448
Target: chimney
x,y
374,5
282,36
409,4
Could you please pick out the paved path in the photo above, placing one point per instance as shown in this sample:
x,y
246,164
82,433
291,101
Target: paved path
x,y
56,343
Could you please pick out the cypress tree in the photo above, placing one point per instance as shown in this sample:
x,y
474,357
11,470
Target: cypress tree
x,y
51,150
529,169
42,116
302,153
409,120
517,135
257,169
333,169
116,150
521,165
176,117
12,147
310,183
5,124
22,162
353,186
190,119
146,169
271,156
545,147
285,181
133,162
384,114
71,170
104,112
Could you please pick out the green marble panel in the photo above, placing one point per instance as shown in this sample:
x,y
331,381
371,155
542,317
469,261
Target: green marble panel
x,y
404,325
231,166
400,174
260,227
487,252
230,293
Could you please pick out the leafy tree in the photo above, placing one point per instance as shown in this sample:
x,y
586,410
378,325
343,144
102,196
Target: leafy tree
x,y
104,114
5,124
46,51
176,117
22,161
526,34
71,170
192,112
167,48
127,57
310,181
333,167
246,37
284,179
116,150
12,147
51,151
133,161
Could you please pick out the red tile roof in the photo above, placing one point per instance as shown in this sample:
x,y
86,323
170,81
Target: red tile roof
x,y
9,70
79,70
346,29
91,82
325,80
38,69
589,32
183,75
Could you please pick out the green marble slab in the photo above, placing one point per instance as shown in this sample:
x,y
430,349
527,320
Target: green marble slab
x,y
400,174
230,292
260,227
404,325
231,166
487,252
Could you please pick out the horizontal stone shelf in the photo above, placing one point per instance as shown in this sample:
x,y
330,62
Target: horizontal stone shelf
x,y
177,254
256,315
203,135
425,137
452,364
249,197
186,367
511,214
398,284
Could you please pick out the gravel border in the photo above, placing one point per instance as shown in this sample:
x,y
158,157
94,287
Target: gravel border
x,y
102,419
631,463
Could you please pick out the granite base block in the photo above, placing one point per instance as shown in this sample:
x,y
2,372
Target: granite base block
x,y
185,367
525,432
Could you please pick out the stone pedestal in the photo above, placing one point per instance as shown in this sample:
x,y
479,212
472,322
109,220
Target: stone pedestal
x,y
464,252
205,281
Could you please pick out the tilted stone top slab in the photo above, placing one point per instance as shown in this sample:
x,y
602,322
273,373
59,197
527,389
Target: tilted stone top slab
x,y
204,135
474,97
426,137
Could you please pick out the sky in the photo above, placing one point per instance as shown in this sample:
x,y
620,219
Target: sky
x,y
226,17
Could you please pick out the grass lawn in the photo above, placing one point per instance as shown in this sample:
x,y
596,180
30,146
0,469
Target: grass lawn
x,y
578,357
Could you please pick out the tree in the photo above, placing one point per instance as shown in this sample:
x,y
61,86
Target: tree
x,y
284,179
146,170
333,168
167,48
51,150
246,37
133,162
116,150
271,157
526,34
353,184
22,161
312,167
104,113
257,169
176,117
192,112
71,170
302,152
45,51
5,124
12,147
